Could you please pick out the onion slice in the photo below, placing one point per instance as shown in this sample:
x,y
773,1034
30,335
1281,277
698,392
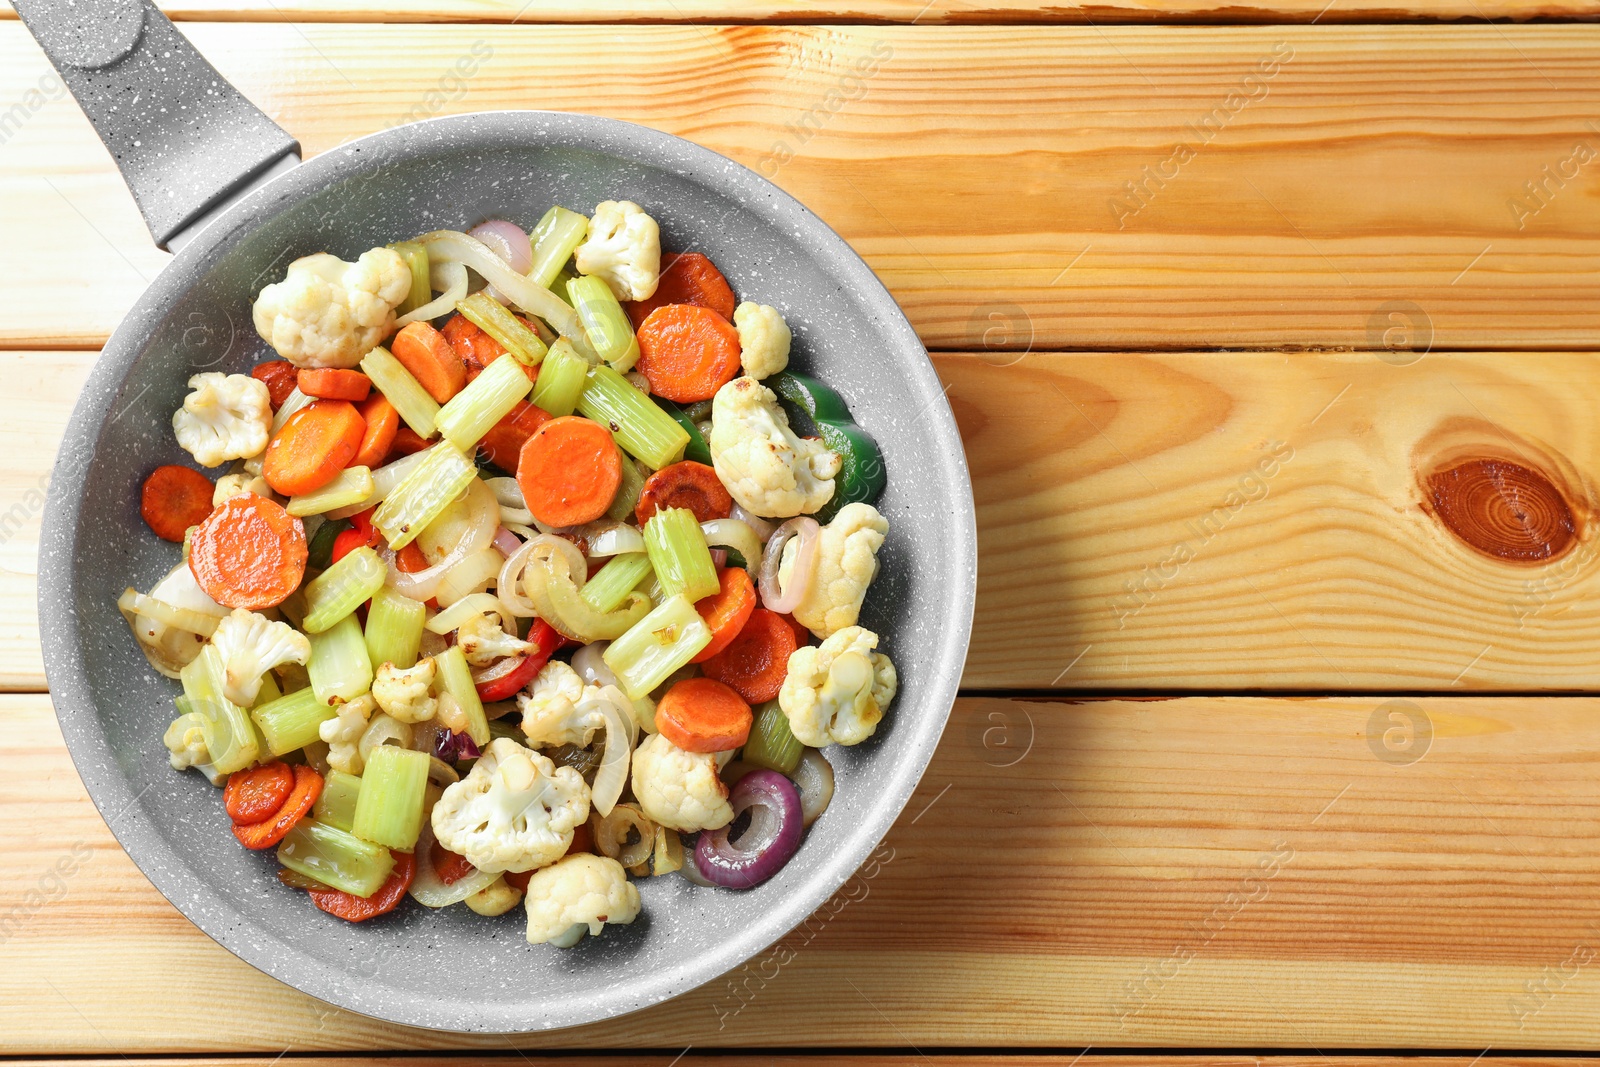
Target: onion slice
x,y
611,832
449,277
473,604
737,535
621,732
784,600
610,538
426,887
508,241
452,246
813,777
773,837
763,529
471,575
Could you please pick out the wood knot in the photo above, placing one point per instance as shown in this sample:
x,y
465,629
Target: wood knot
x,y
1503,509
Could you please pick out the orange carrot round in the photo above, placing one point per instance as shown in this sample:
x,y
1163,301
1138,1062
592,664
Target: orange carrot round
x,y
685,485
502,445
451,867
382,423
424,352
280,377
174,499
473,347
249,553
256,795
756,662
330,383
687,352
686,278
727,610
315,444
703,715
388,896
271,830
569,471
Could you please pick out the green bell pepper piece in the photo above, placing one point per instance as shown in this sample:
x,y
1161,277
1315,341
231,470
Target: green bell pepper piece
x,y
697,449
861,474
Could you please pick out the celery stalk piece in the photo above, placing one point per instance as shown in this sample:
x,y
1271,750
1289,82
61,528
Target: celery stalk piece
x,y
342,588
416,258
607,590
339,667
658,644
229,734
455,678
394,628
557,236
423,494
607,326
679,554
335,858
771,744
562,377
643,430
291,404
352,486
336,805
268,692
291,722
486,400
409,398
559,286
389,809
491,316
384,480
626,501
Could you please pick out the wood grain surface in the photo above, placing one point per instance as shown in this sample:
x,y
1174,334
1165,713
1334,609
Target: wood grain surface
x,y
1203,871
1305,186
823,1059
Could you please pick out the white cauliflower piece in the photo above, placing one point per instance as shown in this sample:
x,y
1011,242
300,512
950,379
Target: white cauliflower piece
x,y
559,709
403,692
343,734
329,313
496,898
680,790
483,640
514,812
624,248
836,693
581,891
232,485
847,562
763,465
251,645
764,339
186,747
225,416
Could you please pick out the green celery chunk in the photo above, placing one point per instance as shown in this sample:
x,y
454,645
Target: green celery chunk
x,y
291,722
422,494
491,316
389,809
607,590
455,678
771,744
394,628
655,646
416,257
605,324
230,735
486,400
339,667
336,805
268,692
342,588
562,377
555,238
643,430
352,486
679,554
335,858
409,398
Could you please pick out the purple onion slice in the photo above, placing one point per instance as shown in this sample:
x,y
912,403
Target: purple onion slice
x,y
773,836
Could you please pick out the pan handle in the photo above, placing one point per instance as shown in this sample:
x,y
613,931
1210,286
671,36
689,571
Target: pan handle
x,y
184,139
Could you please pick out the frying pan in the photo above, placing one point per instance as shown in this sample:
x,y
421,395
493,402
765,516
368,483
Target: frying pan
x,y
222,185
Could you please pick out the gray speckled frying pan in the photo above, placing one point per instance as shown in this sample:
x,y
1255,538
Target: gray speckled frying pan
x,y
217,180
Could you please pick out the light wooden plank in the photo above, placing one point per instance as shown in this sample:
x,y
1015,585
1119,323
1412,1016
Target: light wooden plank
x,y
978,168
824,1059
1237,872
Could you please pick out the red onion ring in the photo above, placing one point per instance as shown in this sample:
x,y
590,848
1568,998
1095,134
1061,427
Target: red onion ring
x,y
772,839
719,557
507,542
784,601
506,240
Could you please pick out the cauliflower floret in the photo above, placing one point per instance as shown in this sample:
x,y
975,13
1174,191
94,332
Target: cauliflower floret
x,y
329,313
483,641
763,339
225,416
836,693
251,645
403,693
582,891
558,709
624,248
232,485
515,811
847,562
343,734
496,898
680,790
186,746
763,465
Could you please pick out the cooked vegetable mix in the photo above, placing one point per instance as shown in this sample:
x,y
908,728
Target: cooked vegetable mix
x,y
512,592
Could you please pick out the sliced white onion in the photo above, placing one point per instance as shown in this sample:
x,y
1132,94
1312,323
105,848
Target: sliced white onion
x,y
784,600
426,887
608,537
508,241
519,516
621,733
473,604
592,669
384,479
474,517
813,777
737,535
441,772
763,529
508,585
506,491
472,575
522,531
424,584
449,277
452,246
133,603
611,832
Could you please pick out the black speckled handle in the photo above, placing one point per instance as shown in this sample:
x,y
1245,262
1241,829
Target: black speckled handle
x,y
183,137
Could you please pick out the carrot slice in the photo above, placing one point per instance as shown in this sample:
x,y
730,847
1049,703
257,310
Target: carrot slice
x,y
407,442
268,832
257,794
687,353
424,352
475,348
315,444
382,424
174,499
569,471
686,278
502,445
249,553
451,867
802,636
385,899
280,377
685,485
756,662
330,383
703,715
727,610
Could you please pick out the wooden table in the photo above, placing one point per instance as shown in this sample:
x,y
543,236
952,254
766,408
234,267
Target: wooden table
x,y
1256,751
